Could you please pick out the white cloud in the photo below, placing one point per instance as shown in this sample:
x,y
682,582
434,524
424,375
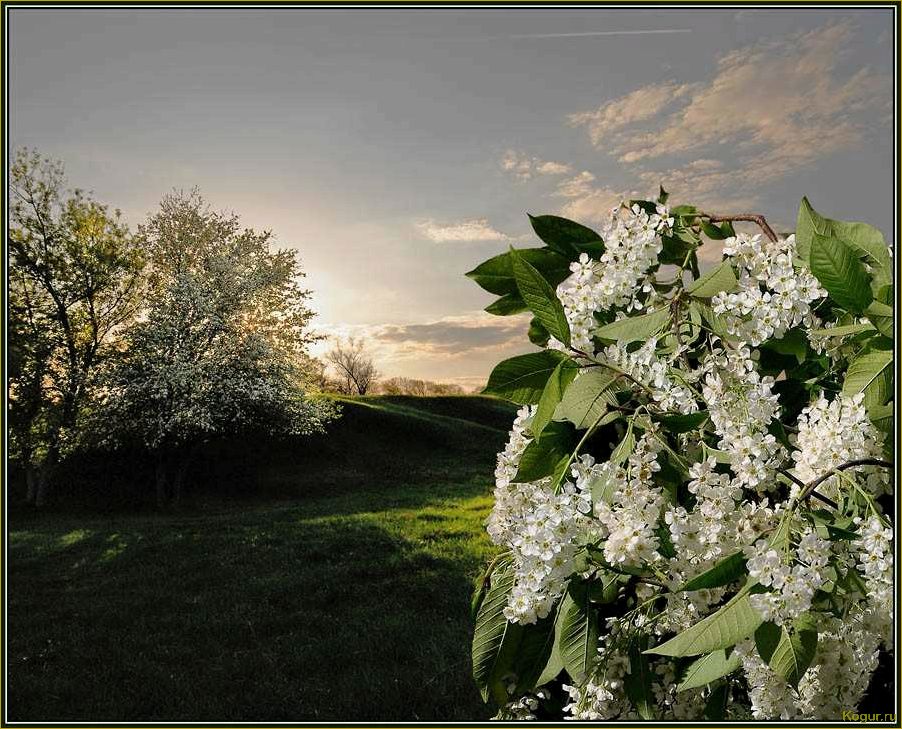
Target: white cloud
x,y
772,107
525,167
475,229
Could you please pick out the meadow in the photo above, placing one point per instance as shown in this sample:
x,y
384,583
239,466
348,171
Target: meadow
x,y
340,592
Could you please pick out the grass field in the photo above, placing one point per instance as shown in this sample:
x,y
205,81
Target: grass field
x,y
345,599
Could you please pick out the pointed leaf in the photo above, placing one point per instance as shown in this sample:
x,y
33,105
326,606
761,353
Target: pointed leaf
x,y
496,275
546,455
541,298
587,398
507,305
551,396
522,379
494,638
578,635
719,279
723,573
637,683
709,668
871,373
566,236
733,622
634,328
835,266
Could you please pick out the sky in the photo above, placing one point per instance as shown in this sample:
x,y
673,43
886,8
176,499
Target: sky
x,y
397,149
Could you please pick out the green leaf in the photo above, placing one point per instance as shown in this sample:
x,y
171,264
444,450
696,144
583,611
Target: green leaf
x,y
587,398
835,266
680,423
565,236
545,455
723,573
882,417
578,632
541,298
866,241
494,639
871,373
533,654
842,331
718,279
507,305
538,334
634,328
793,342
731,623
881,316
788,652
709,668
625,447
496,275
712,231
522,379
551,396
637,683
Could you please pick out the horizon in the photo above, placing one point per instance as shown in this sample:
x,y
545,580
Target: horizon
x,y
377,145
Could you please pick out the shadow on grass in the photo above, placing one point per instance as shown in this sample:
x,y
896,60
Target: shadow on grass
x,y
273,616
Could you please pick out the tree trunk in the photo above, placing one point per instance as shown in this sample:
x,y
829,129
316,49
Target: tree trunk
x,y
162,495
31,482
178,479
42,491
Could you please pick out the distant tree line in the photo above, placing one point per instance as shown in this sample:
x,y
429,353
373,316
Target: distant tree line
x,y
189,327
355,373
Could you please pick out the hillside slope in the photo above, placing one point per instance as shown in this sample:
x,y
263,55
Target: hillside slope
x,y
346,601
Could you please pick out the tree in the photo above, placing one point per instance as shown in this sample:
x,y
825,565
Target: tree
x,y
354,366
222,345
75,279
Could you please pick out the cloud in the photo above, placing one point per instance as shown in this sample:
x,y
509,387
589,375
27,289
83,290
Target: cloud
x,y
475,229
771,108
525,167
587,201
461,349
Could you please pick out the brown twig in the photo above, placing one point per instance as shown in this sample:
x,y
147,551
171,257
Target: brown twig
x,y
759,220
809,489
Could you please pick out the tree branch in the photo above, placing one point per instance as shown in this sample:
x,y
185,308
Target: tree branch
x,y
759,220
809,489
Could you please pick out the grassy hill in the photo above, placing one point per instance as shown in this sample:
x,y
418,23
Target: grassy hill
x,y
347,597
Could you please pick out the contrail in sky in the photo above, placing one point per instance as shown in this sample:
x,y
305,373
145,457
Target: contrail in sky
x,y
588,34
603,32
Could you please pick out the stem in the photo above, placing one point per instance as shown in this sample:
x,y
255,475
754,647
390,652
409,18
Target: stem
x,y
801,484
809,489
759,220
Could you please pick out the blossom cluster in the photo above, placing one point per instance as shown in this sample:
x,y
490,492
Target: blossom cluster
x,y
773,294
645,367
832,433
741,405
632,239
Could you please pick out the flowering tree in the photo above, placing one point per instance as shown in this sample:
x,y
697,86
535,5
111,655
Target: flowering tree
x,y
221,347
691,502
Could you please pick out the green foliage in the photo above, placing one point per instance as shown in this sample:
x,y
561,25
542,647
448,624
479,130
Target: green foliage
x,y
541,298
716,280
496,275
522,379
635,328
577,631
726,627
709,668
565,236
546,455
557,383
834,264
727,570
588,397
788,652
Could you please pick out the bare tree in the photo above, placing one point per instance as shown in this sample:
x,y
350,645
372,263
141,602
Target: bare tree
x,y
354,366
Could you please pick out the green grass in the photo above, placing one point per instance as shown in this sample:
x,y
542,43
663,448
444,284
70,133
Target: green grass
x,y
345,598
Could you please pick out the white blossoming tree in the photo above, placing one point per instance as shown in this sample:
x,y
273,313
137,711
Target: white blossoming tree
x,y
691,506
221,347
